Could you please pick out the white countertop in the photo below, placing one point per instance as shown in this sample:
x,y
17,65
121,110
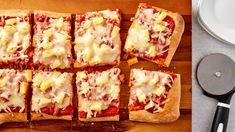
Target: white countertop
x,y
204,107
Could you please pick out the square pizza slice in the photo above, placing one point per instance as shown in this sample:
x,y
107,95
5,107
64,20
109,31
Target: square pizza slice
x,y
155,34
52,95
52,39
15,37
154,96
97,38
98,95
14,90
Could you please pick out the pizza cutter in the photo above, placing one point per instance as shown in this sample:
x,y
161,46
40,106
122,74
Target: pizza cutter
x,y
216,76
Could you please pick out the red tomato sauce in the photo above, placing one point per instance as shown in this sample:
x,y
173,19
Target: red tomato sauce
x,y
111,111
52,110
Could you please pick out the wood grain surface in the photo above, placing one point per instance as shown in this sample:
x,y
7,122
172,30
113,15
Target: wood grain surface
x,y
181,64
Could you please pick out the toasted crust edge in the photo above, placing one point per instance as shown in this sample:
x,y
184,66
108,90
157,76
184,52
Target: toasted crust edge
x,y
98,119
14,12
176,36
174,40
43,116
52,13
171,109
13,117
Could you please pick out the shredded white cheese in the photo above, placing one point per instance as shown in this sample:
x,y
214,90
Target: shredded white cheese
x,y
149,84
15,39
10,95
51,88
148,25
100,41
96,91
52,42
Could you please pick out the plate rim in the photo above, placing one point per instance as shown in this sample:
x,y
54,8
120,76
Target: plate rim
x,y
206,28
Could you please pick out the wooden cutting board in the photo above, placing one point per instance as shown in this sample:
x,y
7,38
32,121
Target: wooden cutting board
x,y
181,64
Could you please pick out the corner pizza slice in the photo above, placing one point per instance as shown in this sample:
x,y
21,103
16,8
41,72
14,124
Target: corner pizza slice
x,y
15,37
52,39
14,89
97,38
52,95
154,34
98,95
154,96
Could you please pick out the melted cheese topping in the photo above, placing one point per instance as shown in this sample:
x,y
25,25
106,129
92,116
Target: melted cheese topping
x,y
14,39
13,88
99,42
51,88
98,90
148,33
52,42
149,84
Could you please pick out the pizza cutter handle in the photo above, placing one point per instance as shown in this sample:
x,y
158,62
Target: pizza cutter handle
x,y
221,118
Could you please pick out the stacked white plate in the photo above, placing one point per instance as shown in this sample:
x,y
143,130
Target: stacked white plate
x,y
217,17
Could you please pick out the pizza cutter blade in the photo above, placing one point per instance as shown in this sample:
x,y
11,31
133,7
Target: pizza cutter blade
x,y
216,76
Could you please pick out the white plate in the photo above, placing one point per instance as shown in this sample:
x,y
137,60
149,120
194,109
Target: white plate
x,y
217,17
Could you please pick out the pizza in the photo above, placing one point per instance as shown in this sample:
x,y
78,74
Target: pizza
x,y
51,95
97,38
155,34
52,39
98,95
14,88
15,37
154,96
